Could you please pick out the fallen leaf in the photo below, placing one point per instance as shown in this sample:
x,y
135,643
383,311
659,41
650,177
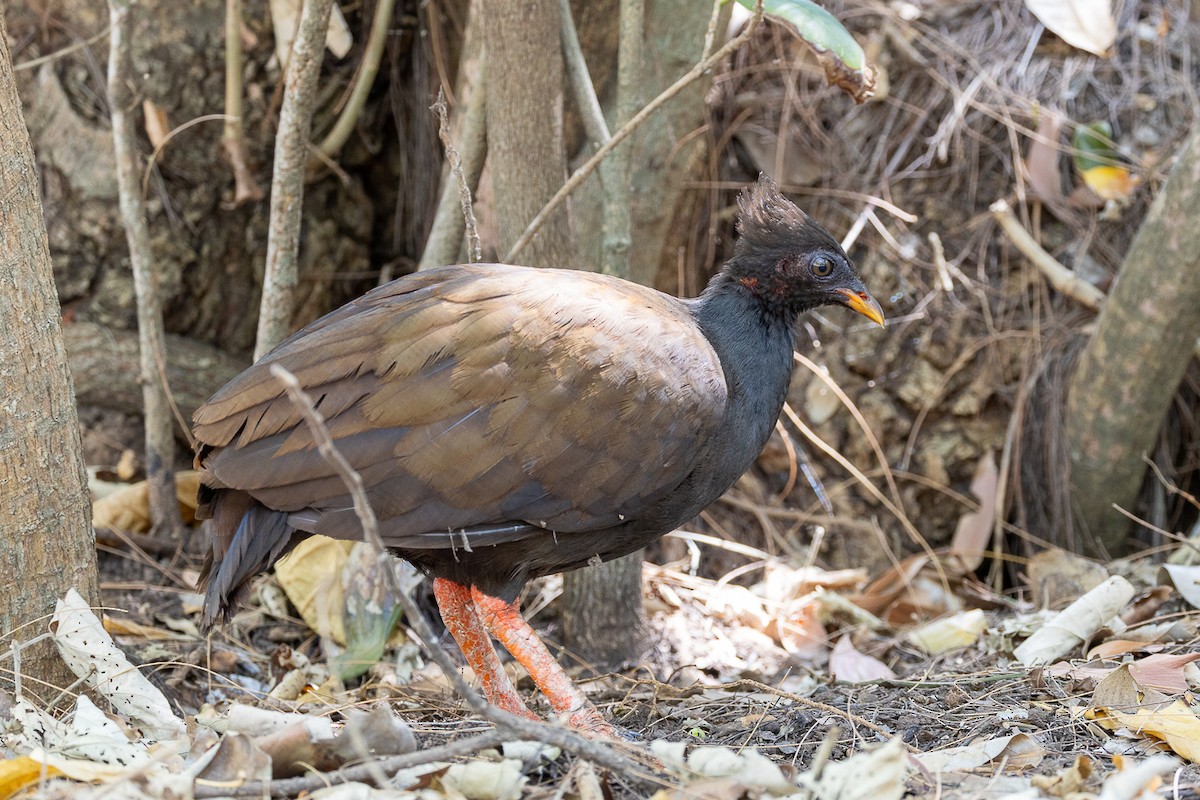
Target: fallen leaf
x,y
1086,24
1111,183
93,656
950,633
1017,751
1042,170
285,19
18,773
1119,702
1059,577
1163,671
1076,623
973,533
486,780
311,576
157,126
1119,647
1186,581
877,774
128,508
846,663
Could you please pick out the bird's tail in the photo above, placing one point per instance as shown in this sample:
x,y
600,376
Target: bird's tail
x,y
246,538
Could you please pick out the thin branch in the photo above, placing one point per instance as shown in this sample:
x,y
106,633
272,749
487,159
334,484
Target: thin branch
x,y
160,441
455,162
367,70
37,62
287,181
580,175
233,140
581,80
1062,279
449,221
293,787
511,724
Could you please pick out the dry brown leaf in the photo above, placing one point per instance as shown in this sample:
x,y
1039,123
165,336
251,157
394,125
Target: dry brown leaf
x,y
1119,647
157,126
1059,577
128,509
974,531
1163,671
1042,171
311,576
846,663
1016,751
799,630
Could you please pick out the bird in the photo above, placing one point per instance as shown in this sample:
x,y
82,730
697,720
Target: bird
x,y
512,422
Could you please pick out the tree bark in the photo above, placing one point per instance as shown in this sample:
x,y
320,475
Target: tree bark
x,y
1132,366
46,541
524,125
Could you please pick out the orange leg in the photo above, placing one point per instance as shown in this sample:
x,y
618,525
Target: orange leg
x,y
458,612
504,621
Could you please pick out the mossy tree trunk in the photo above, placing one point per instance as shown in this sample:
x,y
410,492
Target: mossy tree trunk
x,y
46,541
1132,366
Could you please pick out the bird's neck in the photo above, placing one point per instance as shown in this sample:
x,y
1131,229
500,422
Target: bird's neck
x,y
754,344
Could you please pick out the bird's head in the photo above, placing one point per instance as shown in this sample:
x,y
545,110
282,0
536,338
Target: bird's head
x,y
790,263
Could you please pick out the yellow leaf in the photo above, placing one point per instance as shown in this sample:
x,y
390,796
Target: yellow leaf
x,y
311,575
18,773
1174,724
1111,183
128,509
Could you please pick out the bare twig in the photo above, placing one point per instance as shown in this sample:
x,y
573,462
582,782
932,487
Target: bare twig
x,y
1062,279
46,59
287,181
449,240
450,221
580,79
233,141
367,70
160,442
293,787
588,167
518,727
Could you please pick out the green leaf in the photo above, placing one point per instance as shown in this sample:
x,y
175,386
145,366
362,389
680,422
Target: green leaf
x,y
842,57
1093,145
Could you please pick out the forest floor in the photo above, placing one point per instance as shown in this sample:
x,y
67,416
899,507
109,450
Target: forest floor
x,y
779,688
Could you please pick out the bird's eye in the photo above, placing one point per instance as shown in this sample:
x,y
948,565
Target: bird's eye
x,y
822,266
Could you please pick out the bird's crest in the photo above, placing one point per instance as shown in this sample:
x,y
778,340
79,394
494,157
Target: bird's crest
x,y
768,222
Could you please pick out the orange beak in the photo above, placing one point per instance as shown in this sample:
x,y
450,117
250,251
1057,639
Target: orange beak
x,y
863,303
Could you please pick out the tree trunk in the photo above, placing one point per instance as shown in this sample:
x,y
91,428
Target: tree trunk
x,y
46,542
1130,370
524,125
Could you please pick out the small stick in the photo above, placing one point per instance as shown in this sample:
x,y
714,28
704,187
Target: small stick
x,y
474,249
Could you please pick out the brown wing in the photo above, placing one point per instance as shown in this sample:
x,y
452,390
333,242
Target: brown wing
x,y
477,396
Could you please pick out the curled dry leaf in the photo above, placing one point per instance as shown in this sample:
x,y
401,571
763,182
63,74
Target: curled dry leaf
x,y
1186,581
1017,752
877,774
93,656
128,508
1076,623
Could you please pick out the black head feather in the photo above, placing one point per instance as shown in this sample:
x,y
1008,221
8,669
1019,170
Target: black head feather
x,y
787,261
